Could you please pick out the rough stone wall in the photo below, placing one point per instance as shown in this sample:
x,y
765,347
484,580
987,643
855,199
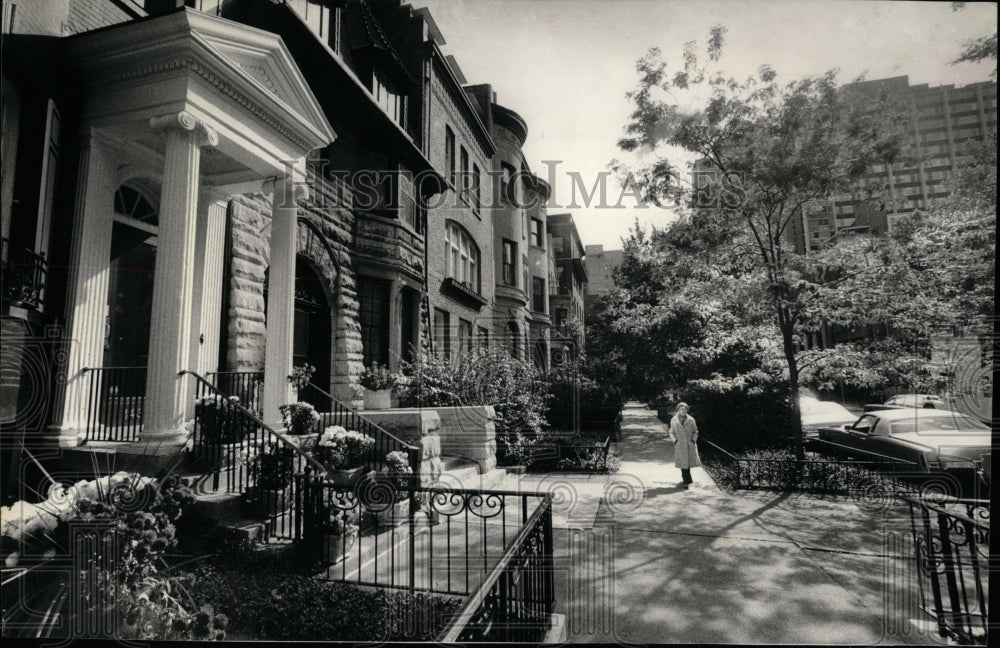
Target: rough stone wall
x,y
327,209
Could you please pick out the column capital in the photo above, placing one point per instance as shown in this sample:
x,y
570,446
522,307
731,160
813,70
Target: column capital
x,y
185,121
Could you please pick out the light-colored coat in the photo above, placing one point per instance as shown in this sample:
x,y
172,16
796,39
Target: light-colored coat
x,y
685,435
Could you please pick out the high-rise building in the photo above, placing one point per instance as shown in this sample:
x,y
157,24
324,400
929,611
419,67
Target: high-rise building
x,y
945,120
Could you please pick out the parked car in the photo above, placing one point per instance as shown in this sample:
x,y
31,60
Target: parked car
x,y
932,439
816,414
926,401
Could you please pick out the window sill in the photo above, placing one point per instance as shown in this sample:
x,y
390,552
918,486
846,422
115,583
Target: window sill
x,y
463,293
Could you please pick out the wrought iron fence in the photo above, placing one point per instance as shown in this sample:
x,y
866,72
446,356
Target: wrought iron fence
x,y
115,403
24,275
952,545
247,386
381,532
515,601
233,447
337,413
876,473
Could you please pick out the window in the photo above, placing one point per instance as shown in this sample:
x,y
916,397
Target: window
x,y
515,339
524,273
390,101
373,316
442,334
464,336
509,263
464,170
560,316
477,184
483,335
538,294
449,152
506,188
537,233
461,257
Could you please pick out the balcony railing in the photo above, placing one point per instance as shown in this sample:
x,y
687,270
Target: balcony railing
x,y
22,281
952,545
115,403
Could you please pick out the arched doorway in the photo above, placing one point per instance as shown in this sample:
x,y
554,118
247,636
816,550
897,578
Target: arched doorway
x,y
312,334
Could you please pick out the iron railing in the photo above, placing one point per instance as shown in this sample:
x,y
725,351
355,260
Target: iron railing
x,y
227,440
248,386
431,539
115,403
876,474
952,545
515,601
337,413
22,281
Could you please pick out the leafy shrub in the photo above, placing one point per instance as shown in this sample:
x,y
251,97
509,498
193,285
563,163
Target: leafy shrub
x,y
378,377
573,393
266,598
299,418
751,410
515,389
273,468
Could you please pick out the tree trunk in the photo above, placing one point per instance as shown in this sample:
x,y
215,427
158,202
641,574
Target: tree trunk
x,y
788,345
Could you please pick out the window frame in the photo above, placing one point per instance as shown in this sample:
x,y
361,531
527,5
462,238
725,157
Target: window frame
x,y
509,263
463,258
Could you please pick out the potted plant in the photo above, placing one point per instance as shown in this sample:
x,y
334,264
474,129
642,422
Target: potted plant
x,y
344,454
338,531
220,430
270,473
378,382
396,474
300,421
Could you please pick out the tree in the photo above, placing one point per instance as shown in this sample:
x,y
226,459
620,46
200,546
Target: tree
x,y
765,151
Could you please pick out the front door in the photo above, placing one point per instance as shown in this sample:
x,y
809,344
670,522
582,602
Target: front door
x,y
311,336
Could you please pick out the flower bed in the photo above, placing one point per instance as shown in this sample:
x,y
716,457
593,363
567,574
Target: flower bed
x,y
265,597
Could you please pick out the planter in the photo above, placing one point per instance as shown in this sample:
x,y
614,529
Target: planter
x,y
334,547
380,399
395,515
304,442
346,477
265,502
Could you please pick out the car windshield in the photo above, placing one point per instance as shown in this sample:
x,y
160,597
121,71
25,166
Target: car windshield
x,y
956,423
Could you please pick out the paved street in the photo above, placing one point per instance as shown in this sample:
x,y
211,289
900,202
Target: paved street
x,y
657,563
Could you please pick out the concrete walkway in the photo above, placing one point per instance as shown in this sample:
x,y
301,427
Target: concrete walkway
x,y
640,560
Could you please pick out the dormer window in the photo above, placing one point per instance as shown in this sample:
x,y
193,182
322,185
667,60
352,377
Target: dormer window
x,y
392,102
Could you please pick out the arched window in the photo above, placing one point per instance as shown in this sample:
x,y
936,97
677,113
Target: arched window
x,y
461,256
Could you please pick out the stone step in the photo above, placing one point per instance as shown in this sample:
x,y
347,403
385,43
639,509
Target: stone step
x,y
220,506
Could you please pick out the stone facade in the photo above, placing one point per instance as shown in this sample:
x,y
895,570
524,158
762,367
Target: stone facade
x,y
324,238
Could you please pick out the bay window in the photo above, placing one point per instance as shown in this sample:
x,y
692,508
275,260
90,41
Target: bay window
x,y
461,257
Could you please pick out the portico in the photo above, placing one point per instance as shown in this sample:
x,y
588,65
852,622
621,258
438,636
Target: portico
x,y
191,109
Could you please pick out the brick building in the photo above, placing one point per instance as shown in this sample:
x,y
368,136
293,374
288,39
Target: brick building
x,y
235,188
567,298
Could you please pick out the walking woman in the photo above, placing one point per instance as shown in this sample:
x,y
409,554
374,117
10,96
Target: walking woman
x,y
684,434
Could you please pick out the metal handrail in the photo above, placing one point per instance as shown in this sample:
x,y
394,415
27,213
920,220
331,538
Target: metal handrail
x,y
320,468
379,428
462,618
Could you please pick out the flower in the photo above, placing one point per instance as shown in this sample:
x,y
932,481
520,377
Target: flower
x,y
341,449
299,418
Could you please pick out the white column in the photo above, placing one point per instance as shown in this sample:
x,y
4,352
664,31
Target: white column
x,y
208,280
167,395
87,292
280,300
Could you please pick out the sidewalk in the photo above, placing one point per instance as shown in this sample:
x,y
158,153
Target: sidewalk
x,y
661,564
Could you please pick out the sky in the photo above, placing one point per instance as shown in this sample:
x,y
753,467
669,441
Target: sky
x,y
566,65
